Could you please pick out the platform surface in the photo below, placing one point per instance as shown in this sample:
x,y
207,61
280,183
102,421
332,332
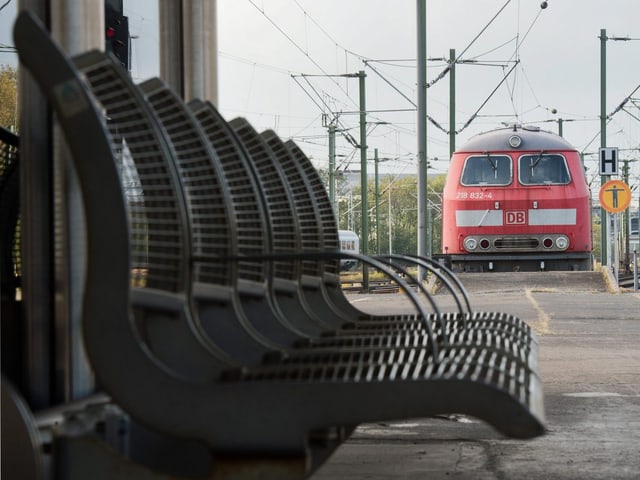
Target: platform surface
x,y
590,366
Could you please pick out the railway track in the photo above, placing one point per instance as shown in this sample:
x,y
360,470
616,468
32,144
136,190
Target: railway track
x,y
374,286
625,281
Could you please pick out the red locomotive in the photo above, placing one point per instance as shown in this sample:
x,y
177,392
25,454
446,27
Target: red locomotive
x,y
516,199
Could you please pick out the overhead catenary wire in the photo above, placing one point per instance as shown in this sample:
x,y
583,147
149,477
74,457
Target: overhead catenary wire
x,y
324,107
364,59
459,56
297,46
487,99
624,102
349,138
519,43
342,129
287,36
458,60
318,25
318,93
515,61
631,114
498,47
253,63
7,48
306,53
366,63
609,117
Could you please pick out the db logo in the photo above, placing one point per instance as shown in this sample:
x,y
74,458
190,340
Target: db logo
x,y
516,218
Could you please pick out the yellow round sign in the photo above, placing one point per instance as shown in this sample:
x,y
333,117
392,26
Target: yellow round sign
x,y
615,196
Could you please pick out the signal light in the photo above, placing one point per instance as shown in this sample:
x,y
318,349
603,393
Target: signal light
x,y
117,36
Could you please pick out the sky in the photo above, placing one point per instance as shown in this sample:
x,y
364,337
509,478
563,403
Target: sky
x,y
282,65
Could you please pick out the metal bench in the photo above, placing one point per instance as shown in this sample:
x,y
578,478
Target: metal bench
x,y
281,229
322,287
147,267
505,346
166,104
241,300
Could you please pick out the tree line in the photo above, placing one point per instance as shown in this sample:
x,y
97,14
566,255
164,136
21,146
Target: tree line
x,y
8,97
397,212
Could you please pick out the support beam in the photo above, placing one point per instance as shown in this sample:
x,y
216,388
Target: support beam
x,y
189,47
171,44
200,50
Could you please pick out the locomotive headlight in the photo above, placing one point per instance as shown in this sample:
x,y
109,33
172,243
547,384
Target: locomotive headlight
x,y
562,243
515,141
470,244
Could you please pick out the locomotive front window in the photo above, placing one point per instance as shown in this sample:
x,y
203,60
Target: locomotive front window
x,y
543,169
486,169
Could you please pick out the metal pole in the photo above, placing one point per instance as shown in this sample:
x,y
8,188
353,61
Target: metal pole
x,y
377,160
389,218
560,122
364,241
625,215
332,166
350,212
423,208
603,132
609,240
616,250
635,271
452,101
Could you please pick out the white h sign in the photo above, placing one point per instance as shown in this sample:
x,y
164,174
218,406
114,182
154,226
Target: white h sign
x,y
608,160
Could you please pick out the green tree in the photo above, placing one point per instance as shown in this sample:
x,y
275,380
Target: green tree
x,y
596,228
8,96
434,197
403,219
341,184
399,216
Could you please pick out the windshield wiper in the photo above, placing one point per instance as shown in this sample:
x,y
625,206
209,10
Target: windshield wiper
x,y
493,165
533,164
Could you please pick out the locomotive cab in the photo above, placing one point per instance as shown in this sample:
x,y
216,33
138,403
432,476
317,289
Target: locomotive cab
x,y
516,199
